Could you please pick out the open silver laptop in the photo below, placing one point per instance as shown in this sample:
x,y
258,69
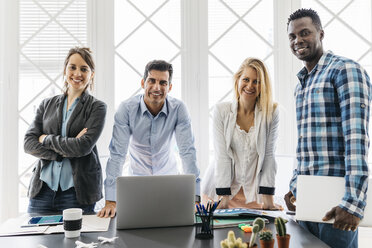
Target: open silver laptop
x,y
316,195
155,201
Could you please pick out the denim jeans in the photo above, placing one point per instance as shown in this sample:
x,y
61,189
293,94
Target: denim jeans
x,y
49,201
333,237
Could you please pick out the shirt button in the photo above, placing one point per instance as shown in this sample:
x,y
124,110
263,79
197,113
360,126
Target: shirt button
x,y
362,105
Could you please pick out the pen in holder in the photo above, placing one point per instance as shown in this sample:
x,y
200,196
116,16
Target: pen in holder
x,y
204,224
204,219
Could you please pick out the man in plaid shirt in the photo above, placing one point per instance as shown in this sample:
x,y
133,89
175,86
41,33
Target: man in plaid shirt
x,y
332,105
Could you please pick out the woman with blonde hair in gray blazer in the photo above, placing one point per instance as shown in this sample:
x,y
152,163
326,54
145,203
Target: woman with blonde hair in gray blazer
x,y
245,132
63,136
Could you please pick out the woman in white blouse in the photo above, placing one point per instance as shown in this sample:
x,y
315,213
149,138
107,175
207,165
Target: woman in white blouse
x,y
245,132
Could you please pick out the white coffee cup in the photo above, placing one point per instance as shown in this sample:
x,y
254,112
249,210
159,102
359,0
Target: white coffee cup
x,y
72,222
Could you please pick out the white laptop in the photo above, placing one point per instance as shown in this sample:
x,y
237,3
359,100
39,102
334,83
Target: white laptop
x,y
155,201
316,195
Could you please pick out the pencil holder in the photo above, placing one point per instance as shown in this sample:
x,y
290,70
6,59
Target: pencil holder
x,y
204,226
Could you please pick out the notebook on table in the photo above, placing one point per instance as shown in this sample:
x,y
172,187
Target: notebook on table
x,y
155,201
316,195
238,213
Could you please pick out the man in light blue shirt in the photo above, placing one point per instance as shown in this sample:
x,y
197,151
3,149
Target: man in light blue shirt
x,y
145,125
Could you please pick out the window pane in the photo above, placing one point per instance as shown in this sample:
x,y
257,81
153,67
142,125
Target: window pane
x,y
142,40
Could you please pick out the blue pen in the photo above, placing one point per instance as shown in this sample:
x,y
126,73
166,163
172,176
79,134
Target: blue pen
x,y
197,208
214,206
205,211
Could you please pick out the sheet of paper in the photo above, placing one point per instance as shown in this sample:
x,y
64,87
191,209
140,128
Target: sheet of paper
x,y
91,223
13,227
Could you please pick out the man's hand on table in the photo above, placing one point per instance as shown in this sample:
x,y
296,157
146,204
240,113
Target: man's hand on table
x,y
108,211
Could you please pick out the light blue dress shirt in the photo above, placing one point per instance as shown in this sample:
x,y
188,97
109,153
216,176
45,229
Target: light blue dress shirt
x,y
150,142
60,173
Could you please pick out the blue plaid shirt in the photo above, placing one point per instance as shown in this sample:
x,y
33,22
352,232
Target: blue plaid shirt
x,y
332,111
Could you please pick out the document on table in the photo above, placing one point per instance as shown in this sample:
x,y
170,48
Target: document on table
x,y
91,223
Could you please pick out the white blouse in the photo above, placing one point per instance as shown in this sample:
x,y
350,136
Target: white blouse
x,y
245,155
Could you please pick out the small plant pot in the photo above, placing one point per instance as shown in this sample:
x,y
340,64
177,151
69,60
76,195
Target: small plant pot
x,y
254,246
267,244
283,241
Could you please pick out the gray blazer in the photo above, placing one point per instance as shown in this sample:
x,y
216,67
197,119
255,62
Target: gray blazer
x,y
82,152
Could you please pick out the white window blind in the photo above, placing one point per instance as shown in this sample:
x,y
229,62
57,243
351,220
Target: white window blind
x,y
47,30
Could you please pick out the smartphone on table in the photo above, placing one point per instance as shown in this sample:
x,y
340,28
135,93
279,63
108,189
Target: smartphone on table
x,y
50,220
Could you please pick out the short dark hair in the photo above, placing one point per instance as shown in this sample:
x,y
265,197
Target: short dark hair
x,y
300,13
159,65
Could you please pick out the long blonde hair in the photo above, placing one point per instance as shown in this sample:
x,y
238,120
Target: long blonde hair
x,y
265,99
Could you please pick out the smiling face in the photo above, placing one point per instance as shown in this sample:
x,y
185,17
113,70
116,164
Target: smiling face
x,y
306,41
78,74
156,89
248,85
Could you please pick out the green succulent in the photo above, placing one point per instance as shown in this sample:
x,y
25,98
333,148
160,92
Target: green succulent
x,y
280,226
258,225
266,235
232,242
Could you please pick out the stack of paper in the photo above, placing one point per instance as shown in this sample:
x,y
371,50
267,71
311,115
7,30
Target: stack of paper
x,y
91,223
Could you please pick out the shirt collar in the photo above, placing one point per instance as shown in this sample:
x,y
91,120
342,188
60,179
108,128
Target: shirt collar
x,y
144,107
322,63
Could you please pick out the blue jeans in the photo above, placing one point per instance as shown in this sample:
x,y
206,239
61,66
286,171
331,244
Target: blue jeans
x,y
51,202
333,237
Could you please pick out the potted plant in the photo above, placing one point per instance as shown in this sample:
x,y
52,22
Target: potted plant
x,y
257,226
281,232
266,239
231,241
